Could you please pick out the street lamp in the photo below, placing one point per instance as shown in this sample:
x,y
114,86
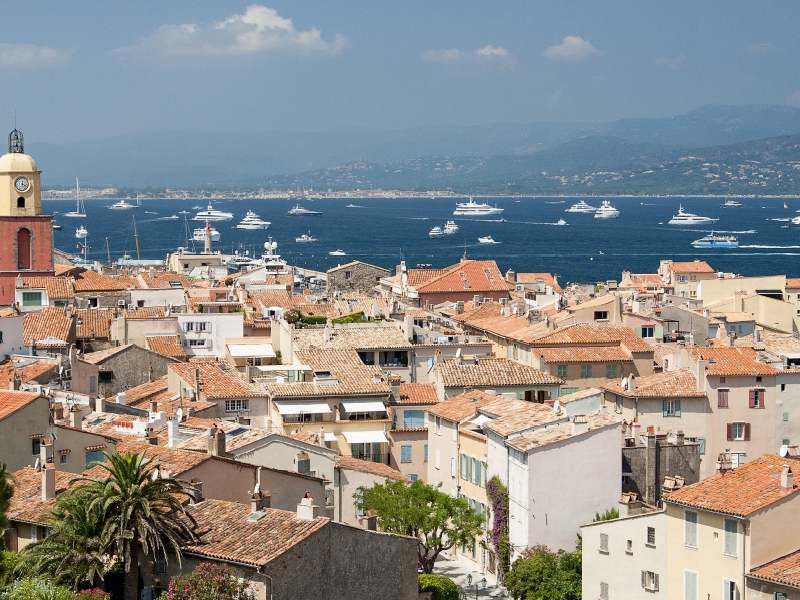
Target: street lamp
x,y
481,584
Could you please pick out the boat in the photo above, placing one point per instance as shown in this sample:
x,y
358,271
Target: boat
x,y
606,211
487,240
299,211
123,205
687,218
716,241
561,222
337,253
184,212
353,206
473,209
80,210
436,232
196,207
55,225
199,235
252,221
242,261
450,228
169,218
785,205
212,214
795,222
81,232
581,207
271,260
735,204
306,238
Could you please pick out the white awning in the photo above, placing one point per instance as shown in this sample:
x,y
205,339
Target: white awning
x,y
330,437
365,437
352,406
246,350
304,408
480,420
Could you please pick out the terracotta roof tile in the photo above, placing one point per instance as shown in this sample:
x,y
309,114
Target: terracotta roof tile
x,y
146,390
417,277
680,383
365,466
173,460
545,278
743,491
732,361
98,357
560,432
58,288
462,406
166,345
27,505
526,417
593,334
93,323
52,322
164,280
417,393
90,281
490,372
11,402
784,570
218,380
792,283
269,298
472,276
586,354
147,312
39,371
361,338
697,266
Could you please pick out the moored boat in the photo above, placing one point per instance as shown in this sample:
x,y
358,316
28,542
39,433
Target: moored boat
x,y
581,207
606,211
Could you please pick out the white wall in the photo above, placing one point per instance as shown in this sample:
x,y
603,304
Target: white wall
x,y
222,326
158,297
447,446
11,328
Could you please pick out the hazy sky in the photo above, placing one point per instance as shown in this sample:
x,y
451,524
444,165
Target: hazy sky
x,y
80,70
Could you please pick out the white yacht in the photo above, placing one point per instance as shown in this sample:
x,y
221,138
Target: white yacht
x,y
199,235
212,214
55,225
81,232
243,262
606,211
487,240
252,221
473,209
306,238
271,260
687,218
436,232
734,204
299,211
80,209
450,228
125,205
337,253
581,207
561,222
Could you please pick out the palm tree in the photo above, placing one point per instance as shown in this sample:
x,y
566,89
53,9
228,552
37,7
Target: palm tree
x,y
6,493
142,512
75,552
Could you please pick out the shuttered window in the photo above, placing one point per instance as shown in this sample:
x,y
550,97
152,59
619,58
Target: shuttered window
x,y
405,453
722,398
730,537
690,529
671,408
689,585
603,542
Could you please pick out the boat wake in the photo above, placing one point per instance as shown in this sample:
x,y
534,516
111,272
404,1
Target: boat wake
x,y
771,247
781,220
491,220
559,202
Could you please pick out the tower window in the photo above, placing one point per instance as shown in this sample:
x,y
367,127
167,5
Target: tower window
x,y
20,202
24,249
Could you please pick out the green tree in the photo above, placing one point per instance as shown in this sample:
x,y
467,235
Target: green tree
x,y
143,512
207,582
74,553
6,493
540,574
609,515
416,509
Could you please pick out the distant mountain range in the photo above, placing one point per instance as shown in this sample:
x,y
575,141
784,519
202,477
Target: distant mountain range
x,y
489,157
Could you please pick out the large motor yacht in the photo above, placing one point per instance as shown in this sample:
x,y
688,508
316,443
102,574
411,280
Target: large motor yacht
x,y
252,221
473,209
606,211
687,218
450,228
199,235
212,214
581,207
299,211
734,204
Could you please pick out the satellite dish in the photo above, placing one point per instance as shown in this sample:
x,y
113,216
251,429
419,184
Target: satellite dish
x,y
557,406
458,353
257,489
179,414
784,451
36,464
624,382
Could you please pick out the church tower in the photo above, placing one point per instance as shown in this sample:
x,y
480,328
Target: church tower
x,y
26,234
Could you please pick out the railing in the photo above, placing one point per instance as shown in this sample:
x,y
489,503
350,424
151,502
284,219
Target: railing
x,y
376,457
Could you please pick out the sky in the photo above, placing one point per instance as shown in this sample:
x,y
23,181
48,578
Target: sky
x,y
80,70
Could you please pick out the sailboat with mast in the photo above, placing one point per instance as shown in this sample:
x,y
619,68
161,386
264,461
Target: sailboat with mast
x,y
80,210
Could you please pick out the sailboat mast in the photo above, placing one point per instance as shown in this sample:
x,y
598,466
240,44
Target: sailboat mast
x,y
108,253
136,238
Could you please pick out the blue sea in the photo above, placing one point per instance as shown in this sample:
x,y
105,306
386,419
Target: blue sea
x,y
382,230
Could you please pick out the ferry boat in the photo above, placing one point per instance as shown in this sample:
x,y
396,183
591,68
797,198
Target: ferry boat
x,y
81,232
199,235
687,218
450,228
716,241
581,207
80,209
252,221
487,240
306,238
473,209
212,214
436,232
606,211
299,211
735,204
337,253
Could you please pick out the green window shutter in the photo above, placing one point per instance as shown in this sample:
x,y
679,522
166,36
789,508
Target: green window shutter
x,y
638,331
664,408
677,408
659,331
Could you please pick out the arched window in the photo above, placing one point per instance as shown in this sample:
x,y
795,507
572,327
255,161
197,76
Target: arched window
x,y
24,249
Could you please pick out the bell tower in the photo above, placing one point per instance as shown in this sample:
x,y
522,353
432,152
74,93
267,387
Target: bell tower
x,y
27,234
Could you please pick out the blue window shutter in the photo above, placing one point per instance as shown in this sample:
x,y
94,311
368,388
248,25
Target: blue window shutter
x,y
426,452
664,408
677,408
702,442
405,453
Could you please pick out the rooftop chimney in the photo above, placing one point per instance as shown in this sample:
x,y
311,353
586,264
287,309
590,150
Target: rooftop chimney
x,y
153,406
629,504
100,404
48,482
196,491
579,424
631,385
172,431
121,398
679,438
757,336
76,417
307,510
510,276
46,451
216,441
636,432
787,478
724,464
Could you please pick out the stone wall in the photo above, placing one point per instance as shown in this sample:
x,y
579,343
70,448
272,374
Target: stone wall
x,y
647,466
356,276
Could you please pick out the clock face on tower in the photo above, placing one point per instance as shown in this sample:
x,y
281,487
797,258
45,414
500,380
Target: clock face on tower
x,y
21,184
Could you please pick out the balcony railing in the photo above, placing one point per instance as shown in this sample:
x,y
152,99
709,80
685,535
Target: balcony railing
x,y
376,457
328,497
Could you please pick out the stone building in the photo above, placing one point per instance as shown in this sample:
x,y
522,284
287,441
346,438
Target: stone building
x,y
355,276
107,372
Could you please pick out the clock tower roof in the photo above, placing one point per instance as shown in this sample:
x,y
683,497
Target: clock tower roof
x,y
15,162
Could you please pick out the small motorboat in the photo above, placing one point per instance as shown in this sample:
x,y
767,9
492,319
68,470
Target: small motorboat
x,y
305,238
81,232
487,240
354,206
55,225
436,232
561,222
170,218
337,253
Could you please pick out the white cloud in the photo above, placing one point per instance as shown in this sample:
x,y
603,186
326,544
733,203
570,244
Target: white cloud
x,y
572,47
794,99
482,56
22,55
258,29
759,50
671,62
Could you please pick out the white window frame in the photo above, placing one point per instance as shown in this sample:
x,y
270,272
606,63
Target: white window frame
x,y
728,536
603,543
438,426
650,581
740,426
672,407
453,468
728,586
686,522
237,405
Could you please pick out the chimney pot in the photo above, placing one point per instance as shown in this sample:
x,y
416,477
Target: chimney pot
x,y
307,510
679,438
76,417
100,404
787,478
48,482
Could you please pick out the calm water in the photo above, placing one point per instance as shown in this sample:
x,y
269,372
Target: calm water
x,y
587,249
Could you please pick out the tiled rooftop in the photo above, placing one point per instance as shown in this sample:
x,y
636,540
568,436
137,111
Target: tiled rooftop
x,y
525,418
27,505
361,338
696,266
471,276
11,401
462,406
586,354
741,492
94,323
593,334
560,432
545,278
680,383
100,356
173,460
418,393
52,322
784,571
372,468
218,380
731,361
792,283
24,371
90,281
58,288
166,345
489,372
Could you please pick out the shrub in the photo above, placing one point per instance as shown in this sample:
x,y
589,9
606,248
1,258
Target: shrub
x,y
36,588
8,562
609,515
442,587
93,594
207,582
